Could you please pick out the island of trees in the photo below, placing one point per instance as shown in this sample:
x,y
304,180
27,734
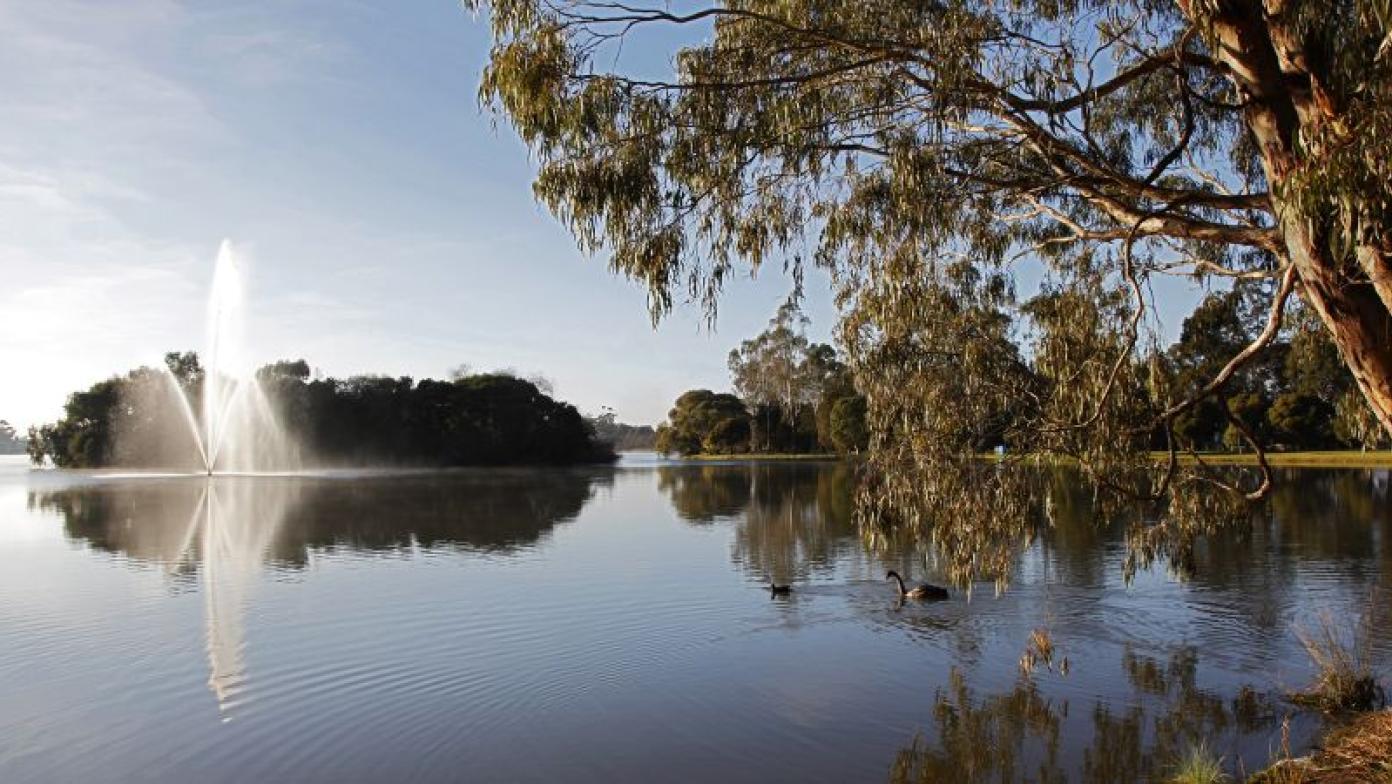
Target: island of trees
x,y
474,419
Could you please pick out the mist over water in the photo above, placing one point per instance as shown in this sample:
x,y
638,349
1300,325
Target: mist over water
x,y
612,624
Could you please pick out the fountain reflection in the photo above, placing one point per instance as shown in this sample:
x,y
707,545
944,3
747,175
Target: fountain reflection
x,y
237,522
226,530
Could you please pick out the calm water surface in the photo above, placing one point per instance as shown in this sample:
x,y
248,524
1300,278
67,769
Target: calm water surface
x,y
609,624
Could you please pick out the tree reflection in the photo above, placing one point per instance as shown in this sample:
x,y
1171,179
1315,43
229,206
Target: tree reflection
x,y
1015,735
981,742
704,494
225,530
798,522
791,520
495,511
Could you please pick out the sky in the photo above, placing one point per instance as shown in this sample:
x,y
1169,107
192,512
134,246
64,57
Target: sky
x,y
387,222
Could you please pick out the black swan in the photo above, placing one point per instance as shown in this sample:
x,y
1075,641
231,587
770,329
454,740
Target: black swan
x,y
924,591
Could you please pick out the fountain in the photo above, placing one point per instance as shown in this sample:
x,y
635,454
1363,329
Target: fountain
x,y
237,431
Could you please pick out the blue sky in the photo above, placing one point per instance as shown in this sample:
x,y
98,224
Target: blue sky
x,y
389,225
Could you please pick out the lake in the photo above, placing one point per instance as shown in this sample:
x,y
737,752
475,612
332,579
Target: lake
x,y
614,624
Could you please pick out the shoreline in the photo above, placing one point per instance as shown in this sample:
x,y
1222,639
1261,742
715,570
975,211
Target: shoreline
x,y
1313,459
767,457
1303,459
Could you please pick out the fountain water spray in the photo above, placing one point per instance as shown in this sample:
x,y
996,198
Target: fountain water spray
x,y
237,430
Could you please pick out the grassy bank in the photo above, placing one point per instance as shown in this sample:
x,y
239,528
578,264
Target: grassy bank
x,y
1327,459
1359,751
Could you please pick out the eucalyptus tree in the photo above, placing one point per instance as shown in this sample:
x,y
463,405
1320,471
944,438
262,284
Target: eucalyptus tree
x,y
925,151
774,367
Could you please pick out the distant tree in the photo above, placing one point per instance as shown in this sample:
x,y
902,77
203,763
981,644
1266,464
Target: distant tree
x,y
782,376
1249,408
729,436
10,442
1210,335
694,416
833,393
1302,421
848,428
835,382
1201,427
285,369
776,430
822,368
621,436
543,383
185,367
772,367
83,437
670,441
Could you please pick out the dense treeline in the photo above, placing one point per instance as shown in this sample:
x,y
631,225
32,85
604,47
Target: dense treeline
x,y
481,419
793,397
1298,395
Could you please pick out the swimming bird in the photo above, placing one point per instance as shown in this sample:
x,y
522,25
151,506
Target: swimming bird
x,y
924,591
779,590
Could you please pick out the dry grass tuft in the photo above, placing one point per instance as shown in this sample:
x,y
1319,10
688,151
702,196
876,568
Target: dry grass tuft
x,y
1041,650
1345,680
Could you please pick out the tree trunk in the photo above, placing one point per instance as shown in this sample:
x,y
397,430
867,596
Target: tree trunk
x,y
1284,97
1356,317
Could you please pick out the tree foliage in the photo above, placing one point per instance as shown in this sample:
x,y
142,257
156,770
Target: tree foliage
x,y
790,383
695,416
926,151
848,431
